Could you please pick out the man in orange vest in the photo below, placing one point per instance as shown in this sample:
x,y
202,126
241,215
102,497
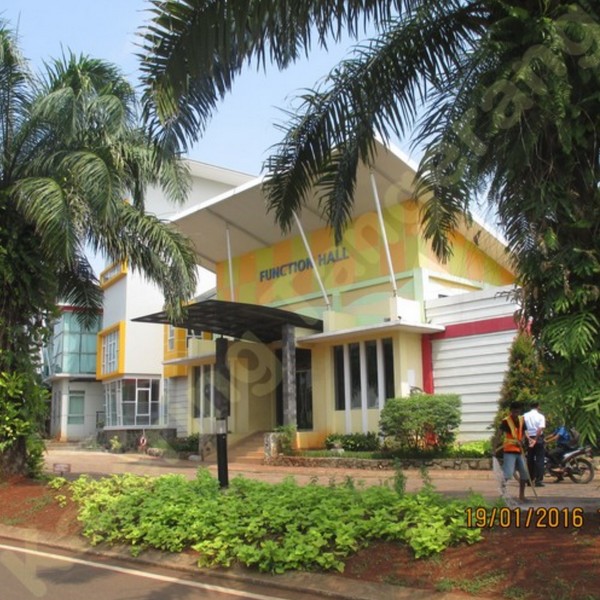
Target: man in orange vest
x,y
513,428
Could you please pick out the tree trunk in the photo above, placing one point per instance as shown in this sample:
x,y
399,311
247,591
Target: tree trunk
x,y
13,461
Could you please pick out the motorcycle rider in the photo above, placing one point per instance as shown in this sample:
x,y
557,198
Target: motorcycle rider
x,y
564,443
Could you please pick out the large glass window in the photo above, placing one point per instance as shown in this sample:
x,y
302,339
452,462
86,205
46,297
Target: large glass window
x,y
375,358
133,402
72,348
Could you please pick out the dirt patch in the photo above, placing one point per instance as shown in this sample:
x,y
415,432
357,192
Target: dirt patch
x,y
560,563
515,563
26,503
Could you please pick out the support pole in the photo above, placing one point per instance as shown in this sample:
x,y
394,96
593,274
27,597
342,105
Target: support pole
x,y
230,264
312,260
288,369
221,395
384,236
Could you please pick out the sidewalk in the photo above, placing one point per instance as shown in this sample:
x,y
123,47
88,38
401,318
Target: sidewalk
x,y
455,483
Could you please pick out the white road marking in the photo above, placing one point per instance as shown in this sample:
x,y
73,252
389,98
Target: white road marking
x,y
164,578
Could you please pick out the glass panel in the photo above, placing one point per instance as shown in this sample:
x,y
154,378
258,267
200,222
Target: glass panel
x,y
196,391
88,343
143,403
338,367
128,413
354,376
88,363
128,393
206,390
388,357
372,384
143,383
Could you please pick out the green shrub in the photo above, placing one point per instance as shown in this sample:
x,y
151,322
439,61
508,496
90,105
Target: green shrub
x,y
422,421
354,442
270,527
287,437
191,443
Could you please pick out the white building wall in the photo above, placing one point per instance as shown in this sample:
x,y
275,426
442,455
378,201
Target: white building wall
x,y
178,404
93,403
473,306
472,366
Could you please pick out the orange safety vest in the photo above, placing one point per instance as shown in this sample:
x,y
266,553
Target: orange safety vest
x,y
513,437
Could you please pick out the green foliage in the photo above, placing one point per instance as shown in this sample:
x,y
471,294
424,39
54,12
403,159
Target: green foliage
x,y
523,380
286,438
271,527
354,442
191,443
421,420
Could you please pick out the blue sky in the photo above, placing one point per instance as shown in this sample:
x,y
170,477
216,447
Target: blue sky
x,y
238,137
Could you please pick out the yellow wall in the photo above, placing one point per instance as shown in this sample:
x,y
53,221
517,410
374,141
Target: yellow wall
x,y
179,350
282,272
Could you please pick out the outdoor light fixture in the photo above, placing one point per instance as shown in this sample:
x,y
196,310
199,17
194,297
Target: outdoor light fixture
x,y
222,452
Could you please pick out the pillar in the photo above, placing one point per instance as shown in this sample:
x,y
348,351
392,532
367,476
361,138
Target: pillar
x,y
288,369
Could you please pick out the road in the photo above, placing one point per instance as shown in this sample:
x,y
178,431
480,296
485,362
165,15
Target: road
x,y
28,573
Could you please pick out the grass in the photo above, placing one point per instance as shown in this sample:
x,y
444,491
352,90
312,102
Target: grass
x,y
474,585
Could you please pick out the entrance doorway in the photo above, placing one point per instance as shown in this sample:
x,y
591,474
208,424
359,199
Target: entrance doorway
x,y
304,406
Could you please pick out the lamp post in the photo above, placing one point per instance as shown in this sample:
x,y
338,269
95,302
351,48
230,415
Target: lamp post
x,y
222,469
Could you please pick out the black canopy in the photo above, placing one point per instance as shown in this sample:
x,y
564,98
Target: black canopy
x,y
237,319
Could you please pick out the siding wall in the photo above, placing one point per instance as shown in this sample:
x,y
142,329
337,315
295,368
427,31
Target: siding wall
x,y
178,404
472,365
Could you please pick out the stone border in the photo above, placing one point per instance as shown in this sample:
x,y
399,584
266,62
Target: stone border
x,y
454,464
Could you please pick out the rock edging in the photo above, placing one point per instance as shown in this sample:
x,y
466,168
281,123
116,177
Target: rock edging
x,y
456,464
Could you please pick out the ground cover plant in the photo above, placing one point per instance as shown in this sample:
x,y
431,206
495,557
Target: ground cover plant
x,y
271,527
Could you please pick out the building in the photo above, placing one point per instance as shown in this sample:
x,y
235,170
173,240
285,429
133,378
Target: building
x,y
69,368
301,331
110,377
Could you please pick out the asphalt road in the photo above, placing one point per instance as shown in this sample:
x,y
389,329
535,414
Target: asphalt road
x,y
28,573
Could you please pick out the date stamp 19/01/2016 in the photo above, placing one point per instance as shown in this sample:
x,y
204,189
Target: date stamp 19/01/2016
x,y
540,517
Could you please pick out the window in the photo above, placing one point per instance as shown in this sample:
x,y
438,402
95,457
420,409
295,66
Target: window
x,y
76,414
202,404
375,360
110,352
171,339
72,348
133,402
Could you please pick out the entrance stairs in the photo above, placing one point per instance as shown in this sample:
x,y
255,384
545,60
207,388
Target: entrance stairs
x,y
249,450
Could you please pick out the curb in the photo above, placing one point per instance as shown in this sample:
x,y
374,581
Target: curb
x,y
318,584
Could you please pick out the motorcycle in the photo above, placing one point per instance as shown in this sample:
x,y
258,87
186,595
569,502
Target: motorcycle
x,y
575,464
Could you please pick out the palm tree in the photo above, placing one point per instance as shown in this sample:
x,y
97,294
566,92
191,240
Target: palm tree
x,y
71,152
502,97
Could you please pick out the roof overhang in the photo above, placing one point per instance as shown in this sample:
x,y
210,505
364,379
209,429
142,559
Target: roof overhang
x,y
243,210
237,320
376,329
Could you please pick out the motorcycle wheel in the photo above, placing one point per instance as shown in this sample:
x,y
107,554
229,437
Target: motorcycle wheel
x,y
581,470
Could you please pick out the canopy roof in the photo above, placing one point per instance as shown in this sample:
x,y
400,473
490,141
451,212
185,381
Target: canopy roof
x,y
237,320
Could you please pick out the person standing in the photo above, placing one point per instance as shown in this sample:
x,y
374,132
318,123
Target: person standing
x,y
513,428
535,424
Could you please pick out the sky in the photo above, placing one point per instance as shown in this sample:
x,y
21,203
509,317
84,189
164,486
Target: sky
x,y
239,135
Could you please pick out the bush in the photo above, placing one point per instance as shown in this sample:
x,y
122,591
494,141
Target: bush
x,y
354,442
422,421
191,443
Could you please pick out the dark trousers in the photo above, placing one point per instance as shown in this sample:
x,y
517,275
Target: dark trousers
x,y
535,461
